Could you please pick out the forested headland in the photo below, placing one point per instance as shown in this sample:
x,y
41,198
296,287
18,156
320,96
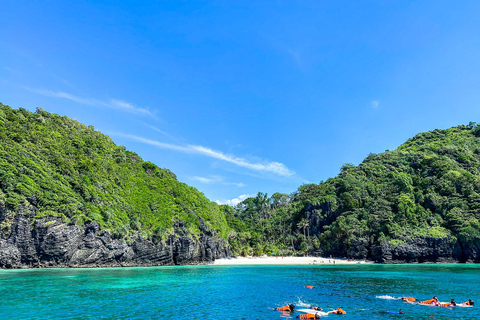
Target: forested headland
x,y
56,171
417,203
70,197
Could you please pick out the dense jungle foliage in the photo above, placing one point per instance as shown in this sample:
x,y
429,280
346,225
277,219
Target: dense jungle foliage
x,y
429,186
69,170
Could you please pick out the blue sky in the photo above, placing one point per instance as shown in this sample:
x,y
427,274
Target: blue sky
x,y
237,97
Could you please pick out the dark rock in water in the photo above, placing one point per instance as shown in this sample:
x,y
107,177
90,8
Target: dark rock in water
x,y
50,242
9,255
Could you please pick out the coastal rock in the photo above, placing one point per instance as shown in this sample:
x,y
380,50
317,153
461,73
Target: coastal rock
x,y
418,250
471,251
50,242
358,249
9,255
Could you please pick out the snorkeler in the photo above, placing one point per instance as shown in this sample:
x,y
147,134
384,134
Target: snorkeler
x,y
452,303
308,316
409,299
433,301
337,311
395,312
469,303
287,308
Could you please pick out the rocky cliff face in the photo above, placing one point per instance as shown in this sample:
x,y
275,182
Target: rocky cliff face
x,y
49,242
410,250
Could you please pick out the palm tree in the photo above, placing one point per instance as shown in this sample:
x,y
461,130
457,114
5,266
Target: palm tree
x,y
303,224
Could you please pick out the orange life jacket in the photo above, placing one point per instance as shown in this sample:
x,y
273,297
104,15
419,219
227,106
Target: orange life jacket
x,y
431,301
340,311
307,316
466,303
310,287
284,308
448,304
409,299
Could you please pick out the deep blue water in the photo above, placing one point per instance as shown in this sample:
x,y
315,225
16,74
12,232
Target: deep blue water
x,y
236,292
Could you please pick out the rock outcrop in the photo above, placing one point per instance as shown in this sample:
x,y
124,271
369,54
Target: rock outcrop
x,y
419,249
26,242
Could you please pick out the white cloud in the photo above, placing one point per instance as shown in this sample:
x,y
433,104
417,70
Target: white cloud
x,y
218,180
206,180
235,201
268,167
128,107
237,184
112,103
273,167
375,103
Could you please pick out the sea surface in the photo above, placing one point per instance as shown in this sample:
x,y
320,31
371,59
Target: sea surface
x,y
236,292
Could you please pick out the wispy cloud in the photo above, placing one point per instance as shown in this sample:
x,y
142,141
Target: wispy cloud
x,y
217,180
112,103
267,167
158,130
375,103
235,201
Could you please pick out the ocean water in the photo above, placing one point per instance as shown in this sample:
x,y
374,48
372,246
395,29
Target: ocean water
x,y
236,292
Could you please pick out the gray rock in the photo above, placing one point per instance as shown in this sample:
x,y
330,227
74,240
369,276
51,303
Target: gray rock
x,y
50,242
9,255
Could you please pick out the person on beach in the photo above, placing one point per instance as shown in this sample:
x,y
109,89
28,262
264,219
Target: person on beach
x,y
433,301
468,303
316,308
337,311
287,308
308,316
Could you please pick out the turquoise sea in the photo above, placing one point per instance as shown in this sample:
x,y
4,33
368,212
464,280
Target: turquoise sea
x,y
236,292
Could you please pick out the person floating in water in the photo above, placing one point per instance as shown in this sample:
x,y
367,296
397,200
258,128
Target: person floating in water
x,y
337,311
409,299
432,302
469,303
309,287
452,303
316,308
308,316
287,308
395,312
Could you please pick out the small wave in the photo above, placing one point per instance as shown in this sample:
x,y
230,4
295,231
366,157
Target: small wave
x,y
387,297
300,303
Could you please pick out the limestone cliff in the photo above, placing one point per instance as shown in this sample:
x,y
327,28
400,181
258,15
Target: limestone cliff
x,y
26,242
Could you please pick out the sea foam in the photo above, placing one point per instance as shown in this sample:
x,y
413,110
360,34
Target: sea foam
x,y
386,297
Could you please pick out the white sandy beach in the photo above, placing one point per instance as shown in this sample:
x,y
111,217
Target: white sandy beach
x,y
286,261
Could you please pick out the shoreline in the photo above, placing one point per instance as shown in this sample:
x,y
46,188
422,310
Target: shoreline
x,y
286,261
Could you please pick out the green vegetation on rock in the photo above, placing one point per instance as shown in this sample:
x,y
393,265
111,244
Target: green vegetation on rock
x,y
69,170
428,187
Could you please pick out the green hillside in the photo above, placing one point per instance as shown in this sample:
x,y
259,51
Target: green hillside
x,y
67,169
428,187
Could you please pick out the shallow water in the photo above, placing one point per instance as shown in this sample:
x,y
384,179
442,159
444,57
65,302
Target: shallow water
x,y
236,292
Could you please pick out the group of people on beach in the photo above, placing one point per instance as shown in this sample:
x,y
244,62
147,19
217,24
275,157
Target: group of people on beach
x,y
435,302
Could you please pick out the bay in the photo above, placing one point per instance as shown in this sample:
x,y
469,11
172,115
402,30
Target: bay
x,y
236,292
